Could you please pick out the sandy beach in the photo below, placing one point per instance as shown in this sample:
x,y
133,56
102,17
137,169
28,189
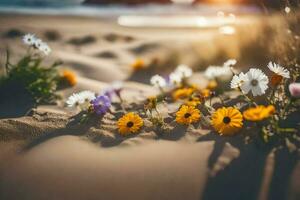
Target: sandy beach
x,y
45,156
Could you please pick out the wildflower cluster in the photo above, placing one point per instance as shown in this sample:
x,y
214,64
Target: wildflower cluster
x,y
200,106
29,73
91,104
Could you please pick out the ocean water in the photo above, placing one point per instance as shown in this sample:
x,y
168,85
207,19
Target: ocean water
x,y
75,7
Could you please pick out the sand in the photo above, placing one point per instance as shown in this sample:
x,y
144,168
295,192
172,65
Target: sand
x,y
46,156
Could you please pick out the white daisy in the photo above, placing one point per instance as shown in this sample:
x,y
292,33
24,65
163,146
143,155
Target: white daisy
x,y
213,72
279,70
29,39
81,99
238,80
175,79
38,43
230,63
256,81
158,81
184,71
45,49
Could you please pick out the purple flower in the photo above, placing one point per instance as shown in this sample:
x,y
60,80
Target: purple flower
x,y
101,104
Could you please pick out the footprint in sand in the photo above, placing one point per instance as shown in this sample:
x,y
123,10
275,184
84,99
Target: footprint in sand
x,y
113,37
13,33
85,40
106,54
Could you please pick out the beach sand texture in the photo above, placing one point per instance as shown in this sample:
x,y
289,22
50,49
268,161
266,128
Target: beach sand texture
x,y
46,156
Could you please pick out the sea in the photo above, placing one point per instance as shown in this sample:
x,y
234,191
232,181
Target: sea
x,y
75,7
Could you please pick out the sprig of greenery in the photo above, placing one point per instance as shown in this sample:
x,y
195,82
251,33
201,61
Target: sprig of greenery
x,y
29,72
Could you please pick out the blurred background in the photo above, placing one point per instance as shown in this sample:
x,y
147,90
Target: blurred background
x,y
93,36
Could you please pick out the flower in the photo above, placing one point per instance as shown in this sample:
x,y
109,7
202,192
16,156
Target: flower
x,y
130,123
115,88
38,43
212,84
227,121
279,70
187,115
69,76
182,93
256,81
205,93
193,101
80,99
238,80
294,89
45,48
279,73
158,81
101,104
213,72
184,71
138,64
230,63
29,39
258,113
175,79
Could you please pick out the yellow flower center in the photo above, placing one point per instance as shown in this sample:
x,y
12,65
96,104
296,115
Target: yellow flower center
x,y
226,120
129,124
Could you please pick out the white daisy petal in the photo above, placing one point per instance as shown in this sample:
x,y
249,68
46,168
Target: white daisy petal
x,y
175,79
238,80
29,39
213,72
78,99
256,82
158,81
279,70
184,71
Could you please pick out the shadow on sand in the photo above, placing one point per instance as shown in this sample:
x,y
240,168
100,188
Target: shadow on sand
x,y
243,177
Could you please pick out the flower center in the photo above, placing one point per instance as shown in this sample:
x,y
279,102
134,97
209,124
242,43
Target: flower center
x,y
254,82
129,124
226,120
187,115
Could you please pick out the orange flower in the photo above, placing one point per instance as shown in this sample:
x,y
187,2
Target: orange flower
x,y
69,76
138,64
259,113
205,93
212,84
182,93
187,115
227,121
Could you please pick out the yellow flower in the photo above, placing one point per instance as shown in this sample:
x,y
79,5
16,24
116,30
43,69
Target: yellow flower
x,y
205,93
227,121
69,76
130,123
259,113
187,115
193,101
212,84
138,64
182,93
